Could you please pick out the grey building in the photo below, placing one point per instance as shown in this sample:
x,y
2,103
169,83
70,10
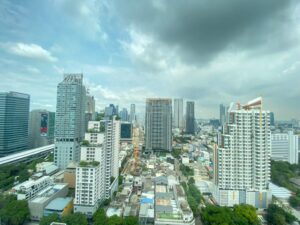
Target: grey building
x,y
124,115
132,113
178,113
14,118
90,113
158,124
70,119
190,118
41,128
222,114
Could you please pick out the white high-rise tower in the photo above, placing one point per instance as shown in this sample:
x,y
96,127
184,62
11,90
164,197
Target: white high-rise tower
x,y
70,120
242,159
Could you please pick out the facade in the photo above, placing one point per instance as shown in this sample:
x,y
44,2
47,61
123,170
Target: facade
x,y
111,110
44,197
132,116
41,128
70,119
126,132
190,118
242,159
30,188
285,147
272,119
158,124
178,113
88,190
222,114
124,115
14,119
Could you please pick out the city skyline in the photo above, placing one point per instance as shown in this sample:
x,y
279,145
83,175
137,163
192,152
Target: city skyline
x,y
126,56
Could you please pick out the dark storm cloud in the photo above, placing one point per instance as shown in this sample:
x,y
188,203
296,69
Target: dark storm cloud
x,y
200,29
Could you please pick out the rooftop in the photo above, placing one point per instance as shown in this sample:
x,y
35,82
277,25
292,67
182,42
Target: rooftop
x,y
58,204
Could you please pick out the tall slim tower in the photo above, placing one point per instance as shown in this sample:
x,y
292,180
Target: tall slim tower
x,y
132,113
242,160
158,124
178,113
190,118
70,119
14,118
222,114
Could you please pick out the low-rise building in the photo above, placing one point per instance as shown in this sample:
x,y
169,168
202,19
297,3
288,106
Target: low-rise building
x,y
60,206
37,205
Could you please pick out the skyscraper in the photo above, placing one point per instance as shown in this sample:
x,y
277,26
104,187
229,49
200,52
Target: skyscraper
x,y
124,114
222,114
158,126
178,113
41,128
70,119
190,118
132,113
272,119
285,147
242,159
14,119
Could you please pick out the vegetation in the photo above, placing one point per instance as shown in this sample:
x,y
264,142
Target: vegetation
x,y
85,143
112,179
277,216
186,170
281,173
100,218
72,219
100,116
86,164
12,211
240,214
17,173
176,153
194,197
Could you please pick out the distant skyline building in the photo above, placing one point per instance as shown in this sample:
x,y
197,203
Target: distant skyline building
x,y
190,117
158,124
41,128
272,119
70,119
242,159
178,113
111,110
132,115
124,115
14,120
285,147
222,114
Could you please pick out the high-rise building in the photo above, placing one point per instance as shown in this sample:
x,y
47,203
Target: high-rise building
x,y
178,113
285,147
272,119
222,114
158,124
90,113
14,119
88,187
242,159
111,110
124,114
69,120
190,118
132,113
41,128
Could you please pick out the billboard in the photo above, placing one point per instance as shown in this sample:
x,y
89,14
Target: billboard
x,y
44,124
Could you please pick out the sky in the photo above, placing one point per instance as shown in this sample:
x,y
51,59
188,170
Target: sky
x,y
210,52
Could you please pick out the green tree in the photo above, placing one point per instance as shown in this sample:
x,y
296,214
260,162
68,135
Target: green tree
x,y
115,220
277,216
100,218
131,220
75,219
47,220
246,213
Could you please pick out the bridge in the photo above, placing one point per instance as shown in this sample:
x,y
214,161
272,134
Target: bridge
x,y
27,155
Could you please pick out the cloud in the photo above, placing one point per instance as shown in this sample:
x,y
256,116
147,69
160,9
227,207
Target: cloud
x,y
85,15
32,51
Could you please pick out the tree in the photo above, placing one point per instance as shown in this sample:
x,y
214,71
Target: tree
x,y
191,180
246,213
47,220
277,216
100,218
115,220
131,220
12,211
75,219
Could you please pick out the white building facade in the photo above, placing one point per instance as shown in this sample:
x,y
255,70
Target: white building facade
x,y
285,147
242,159
178,113
70,120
